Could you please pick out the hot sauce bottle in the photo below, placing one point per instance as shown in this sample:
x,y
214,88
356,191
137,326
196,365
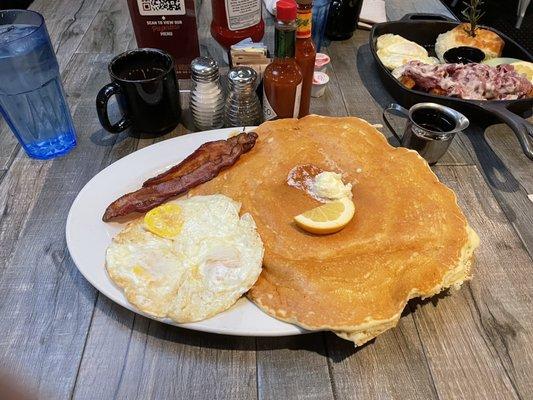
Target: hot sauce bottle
x,y
282,80
235,20
305,52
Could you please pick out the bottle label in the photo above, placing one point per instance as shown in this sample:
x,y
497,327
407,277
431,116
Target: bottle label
x,y
161,7
268,111
297,98
242,14
303,22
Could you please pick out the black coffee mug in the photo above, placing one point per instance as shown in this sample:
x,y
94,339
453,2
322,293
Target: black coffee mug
x,y
145,85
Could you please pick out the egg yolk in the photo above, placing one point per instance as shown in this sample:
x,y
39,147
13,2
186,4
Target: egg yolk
x,y
165,221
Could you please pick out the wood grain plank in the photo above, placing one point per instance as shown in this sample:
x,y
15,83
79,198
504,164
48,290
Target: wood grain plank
x,y
293,367
40,287
507,148
15,200
9,147
111,30
393,366
51,9
506,184
479,340
141,358
67,22
396,9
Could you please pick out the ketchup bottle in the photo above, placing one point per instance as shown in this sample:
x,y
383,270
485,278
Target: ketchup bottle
x,y
282,80
235,20
305,52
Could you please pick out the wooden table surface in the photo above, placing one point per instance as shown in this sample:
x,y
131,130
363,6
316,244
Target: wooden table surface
x,y
62,338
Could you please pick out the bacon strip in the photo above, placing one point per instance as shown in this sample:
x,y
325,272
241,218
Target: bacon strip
x,y
201,166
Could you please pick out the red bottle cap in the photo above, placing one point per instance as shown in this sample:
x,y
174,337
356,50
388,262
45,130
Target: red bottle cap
x,y
286,10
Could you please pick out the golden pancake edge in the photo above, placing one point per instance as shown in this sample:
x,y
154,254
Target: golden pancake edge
x,y
408,237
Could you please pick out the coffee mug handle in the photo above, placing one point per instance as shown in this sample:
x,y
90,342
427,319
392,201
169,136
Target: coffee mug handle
x,y
399,110
101,108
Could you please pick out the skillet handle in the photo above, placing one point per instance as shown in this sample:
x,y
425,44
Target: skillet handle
x,y
426,17
522,128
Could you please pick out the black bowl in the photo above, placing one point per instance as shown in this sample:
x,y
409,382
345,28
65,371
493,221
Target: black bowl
x,y
464,55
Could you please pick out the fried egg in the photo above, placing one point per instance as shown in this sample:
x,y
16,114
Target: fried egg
x,y
395,51
188,259
387,39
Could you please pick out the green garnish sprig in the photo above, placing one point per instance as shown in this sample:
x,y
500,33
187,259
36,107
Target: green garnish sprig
x,y
473,13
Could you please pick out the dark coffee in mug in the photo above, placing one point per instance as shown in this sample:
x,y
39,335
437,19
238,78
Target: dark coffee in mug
x,y
145,85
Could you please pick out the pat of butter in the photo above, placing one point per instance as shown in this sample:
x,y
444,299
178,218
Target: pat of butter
x,y
329,185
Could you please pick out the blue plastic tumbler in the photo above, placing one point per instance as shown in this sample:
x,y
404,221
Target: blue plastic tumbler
x,y
31,95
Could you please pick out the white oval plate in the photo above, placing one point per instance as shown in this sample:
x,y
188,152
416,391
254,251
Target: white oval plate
x,y
88,236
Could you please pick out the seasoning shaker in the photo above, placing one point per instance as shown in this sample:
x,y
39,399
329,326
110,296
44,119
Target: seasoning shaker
x,y
207,97
242,104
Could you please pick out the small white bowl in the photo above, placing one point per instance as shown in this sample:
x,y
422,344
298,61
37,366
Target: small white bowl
x,y
321,62
320,81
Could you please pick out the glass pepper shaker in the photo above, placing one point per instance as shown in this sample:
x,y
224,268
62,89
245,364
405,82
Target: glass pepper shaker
x,y
207,97
242,104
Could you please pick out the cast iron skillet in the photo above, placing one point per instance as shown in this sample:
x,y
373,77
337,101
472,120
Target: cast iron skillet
x,y
424,29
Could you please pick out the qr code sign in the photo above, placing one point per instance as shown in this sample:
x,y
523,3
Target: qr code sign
x,y
161,7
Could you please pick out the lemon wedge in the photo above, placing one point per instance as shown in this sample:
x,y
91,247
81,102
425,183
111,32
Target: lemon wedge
x,y
524,67
328,218
165,221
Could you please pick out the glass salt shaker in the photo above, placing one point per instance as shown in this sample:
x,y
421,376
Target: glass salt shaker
x,y
207,97
242,104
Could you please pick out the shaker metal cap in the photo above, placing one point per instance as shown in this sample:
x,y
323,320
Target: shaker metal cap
x,y
204,69
241,77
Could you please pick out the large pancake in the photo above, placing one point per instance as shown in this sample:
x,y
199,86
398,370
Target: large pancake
x,y
408,237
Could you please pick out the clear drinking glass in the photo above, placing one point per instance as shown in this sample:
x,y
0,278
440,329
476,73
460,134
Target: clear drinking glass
x,y
31,95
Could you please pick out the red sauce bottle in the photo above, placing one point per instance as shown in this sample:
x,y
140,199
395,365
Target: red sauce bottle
x,y
282,80
305,52
235,20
